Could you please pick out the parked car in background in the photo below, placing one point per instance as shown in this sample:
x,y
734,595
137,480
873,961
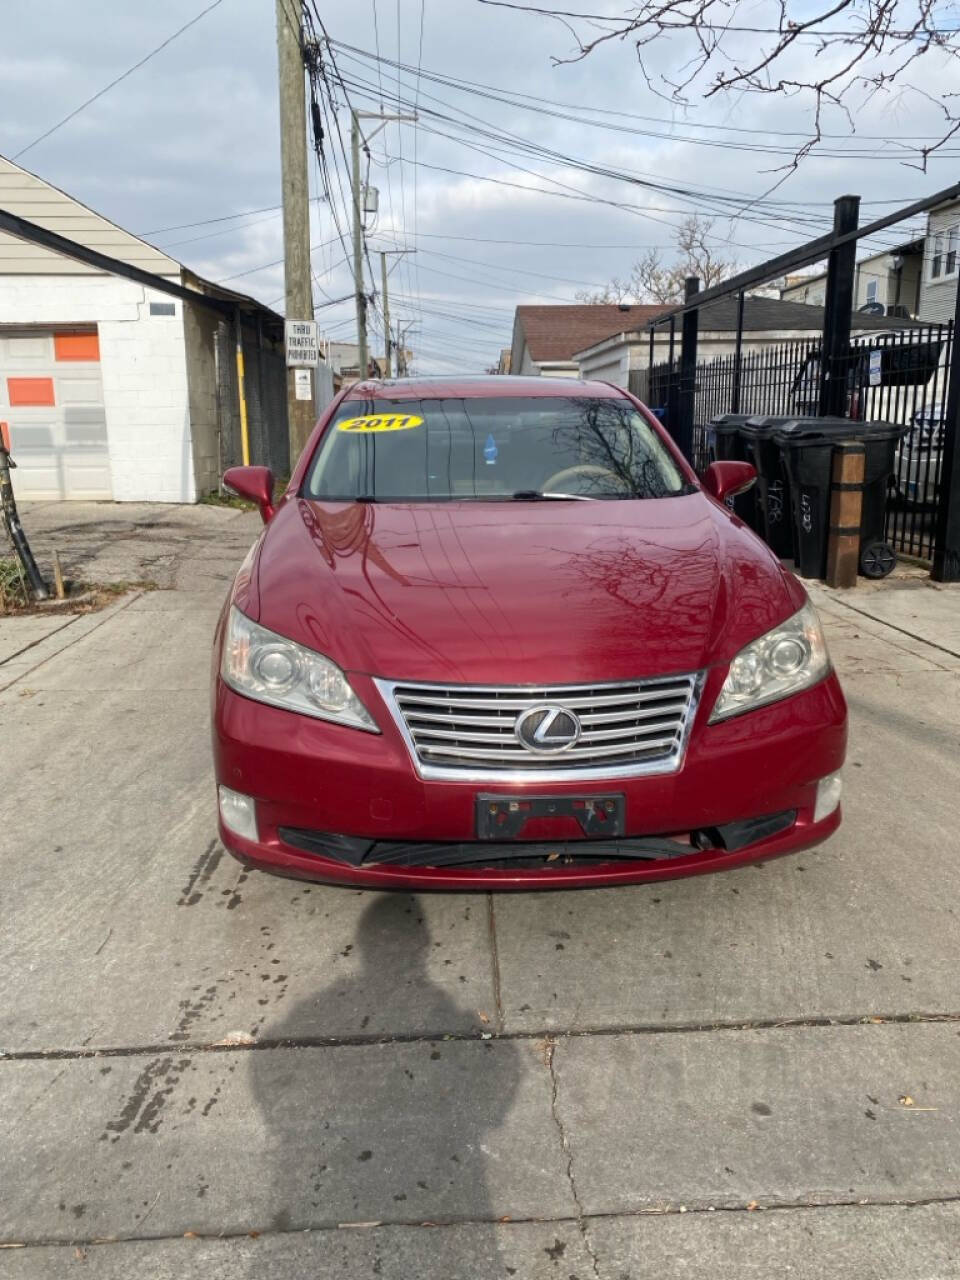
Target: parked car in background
x,y
497,634
918,458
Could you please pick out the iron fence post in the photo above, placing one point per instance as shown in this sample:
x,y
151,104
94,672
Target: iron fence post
x,y
683,431
946,541
672,387
841,268
737,357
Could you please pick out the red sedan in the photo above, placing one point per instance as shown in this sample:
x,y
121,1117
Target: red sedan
x,y
497,635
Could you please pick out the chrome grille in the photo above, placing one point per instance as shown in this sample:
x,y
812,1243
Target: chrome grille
x,y
468,731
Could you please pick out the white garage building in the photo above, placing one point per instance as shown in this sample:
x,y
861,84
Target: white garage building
x,y
109,387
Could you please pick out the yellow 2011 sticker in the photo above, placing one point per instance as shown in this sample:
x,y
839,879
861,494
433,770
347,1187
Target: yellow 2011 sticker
x,y
381,422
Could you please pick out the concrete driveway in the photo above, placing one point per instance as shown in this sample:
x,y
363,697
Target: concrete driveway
x,y
205,1072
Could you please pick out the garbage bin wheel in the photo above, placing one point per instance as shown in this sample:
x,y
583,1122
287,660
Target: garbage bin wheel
x,y
877,559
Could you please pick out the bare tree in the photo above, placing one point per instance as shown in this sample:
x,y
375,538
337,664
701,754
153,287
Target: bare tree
x,y
652,280
848,52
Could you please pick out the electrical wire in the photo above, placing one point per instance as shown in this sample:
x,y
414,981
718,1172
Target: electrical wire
x,y
113,83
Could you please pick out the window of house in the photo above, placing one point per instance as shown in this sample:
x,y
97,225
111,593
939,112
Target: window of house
x,y
944,260
936,261
872,291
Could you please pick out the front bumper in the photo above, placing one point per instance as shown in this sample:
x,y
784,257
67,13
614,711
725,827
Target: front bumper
x,y
310,776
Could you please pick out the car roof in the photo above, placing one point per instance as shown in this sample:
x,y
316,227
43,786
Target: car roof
x,y
437,388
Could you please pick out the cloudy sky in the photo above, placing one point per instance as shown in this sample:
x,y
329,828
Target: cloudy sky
x,y
192,137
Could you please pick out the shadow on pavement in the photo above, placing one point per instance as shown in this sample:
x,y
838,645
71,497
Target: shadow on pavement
x,y
384,1132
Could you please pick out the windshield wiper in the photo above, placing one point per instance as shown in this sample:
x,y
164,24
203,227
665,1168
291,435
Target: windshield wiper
x,y
536,495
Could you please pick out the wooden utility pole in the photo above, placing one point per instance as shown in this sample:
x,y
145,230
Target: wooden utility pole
x,y
384,254
296,203
359,210
386,316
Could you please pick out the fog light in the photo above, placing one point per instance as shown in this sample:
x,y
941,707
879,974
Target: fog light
x,y
828,796
239,813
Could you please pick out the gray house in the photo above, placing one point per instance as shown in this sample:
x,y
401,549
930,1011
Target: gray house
x,y
938,291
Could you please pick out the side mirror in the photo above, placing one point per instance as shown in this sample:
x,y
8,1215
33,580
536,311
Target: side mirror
x,y
255,483
726,479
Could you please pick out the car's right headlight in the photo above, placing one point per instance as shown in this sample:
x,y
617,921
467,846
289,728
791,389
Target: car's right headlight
x,y
789,658
270,668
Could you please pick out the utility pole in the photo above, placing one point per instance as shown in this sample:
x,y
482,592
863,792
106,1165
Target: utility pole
x,y
386,316
359,210
296,203
384,254
401,347
358,220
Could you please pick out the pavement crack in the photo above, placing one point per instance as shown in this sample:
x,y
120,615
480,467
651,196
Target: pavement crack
x,y
882,622
107,615
495,962
765,1025
550,1047
40,639
452,1223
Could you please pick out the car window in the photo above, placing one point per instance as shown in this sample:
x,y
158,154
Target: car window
x,y
492,448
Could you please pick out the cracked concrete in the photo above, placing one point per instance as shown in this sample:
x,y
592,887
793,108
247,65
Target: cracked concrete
x,y
207,1072
549,1051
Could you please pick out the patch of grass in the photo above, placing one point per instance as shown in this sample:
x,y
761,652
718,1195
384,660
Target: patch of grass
x,y
120,588
14,594
226,500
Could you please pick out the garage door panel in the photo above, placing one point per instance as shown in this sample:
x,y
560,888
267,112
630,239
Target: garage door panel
x,y
53,400
36,452
26,351
76,390
31,438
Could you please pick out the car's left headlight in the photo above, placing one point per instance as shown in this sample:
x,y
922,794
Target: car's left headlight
x,y
270,668
791,657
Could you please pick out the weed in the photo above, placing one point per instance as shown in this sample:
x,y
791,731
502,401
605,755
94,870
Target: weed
x,y
14,593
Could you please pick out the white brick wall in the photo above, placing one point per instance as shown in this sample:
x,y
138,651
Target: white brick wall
x,y
143,363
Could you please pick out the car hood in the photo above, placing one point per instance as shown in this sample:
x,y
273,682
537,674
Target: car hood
x,y
525,593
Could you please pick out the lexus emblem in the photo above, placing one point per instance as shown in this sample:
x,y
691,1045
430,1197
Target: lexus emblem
x,y
547,729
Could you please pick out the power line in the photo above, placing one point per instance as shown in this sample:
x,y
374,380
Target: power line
x,y
113,83
539,104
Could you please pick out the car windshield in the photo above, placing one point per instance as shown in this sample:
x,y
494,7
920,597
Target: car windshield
x,y
510,447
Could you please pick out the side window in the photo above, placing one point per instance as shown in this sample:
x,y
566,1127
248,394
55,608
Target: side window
x,y
936,262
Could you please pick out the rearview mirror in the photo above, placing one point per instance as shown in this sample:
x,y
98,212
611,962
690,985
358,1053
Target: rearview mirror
x,y
726,479
255,483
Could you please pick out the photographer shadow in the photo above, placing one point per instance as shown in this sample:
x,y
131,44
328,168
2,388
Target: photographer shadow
x,y
363,1127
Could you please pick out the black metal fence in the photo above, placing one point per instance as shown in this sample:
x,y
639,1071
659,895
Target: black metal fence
x,y
901,376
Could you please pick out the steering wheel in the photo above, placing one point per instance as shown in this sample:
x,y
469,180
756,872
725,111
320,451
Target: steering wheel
x,y
557,481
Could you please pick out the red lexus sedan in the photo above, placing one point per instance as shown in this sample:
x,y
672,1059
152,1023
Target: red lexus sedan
x,y
496,634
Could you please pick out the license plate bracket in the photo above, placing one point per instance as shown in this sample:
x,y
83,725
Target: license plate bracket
x,y
500,817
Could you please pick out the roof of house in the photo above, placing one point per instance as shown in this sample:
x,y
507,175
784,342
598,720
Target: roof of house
x,y
35,200
765,315
556,332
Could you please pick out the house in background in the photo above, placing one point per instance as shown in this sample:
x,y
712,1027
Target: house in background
x,y
546,339
938,293
887,283
114,390
767,323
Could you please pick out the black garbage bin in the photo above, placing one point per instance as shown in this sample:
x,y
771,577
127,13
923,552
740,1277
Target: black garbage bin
x,y
774,509
807,446
729,445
